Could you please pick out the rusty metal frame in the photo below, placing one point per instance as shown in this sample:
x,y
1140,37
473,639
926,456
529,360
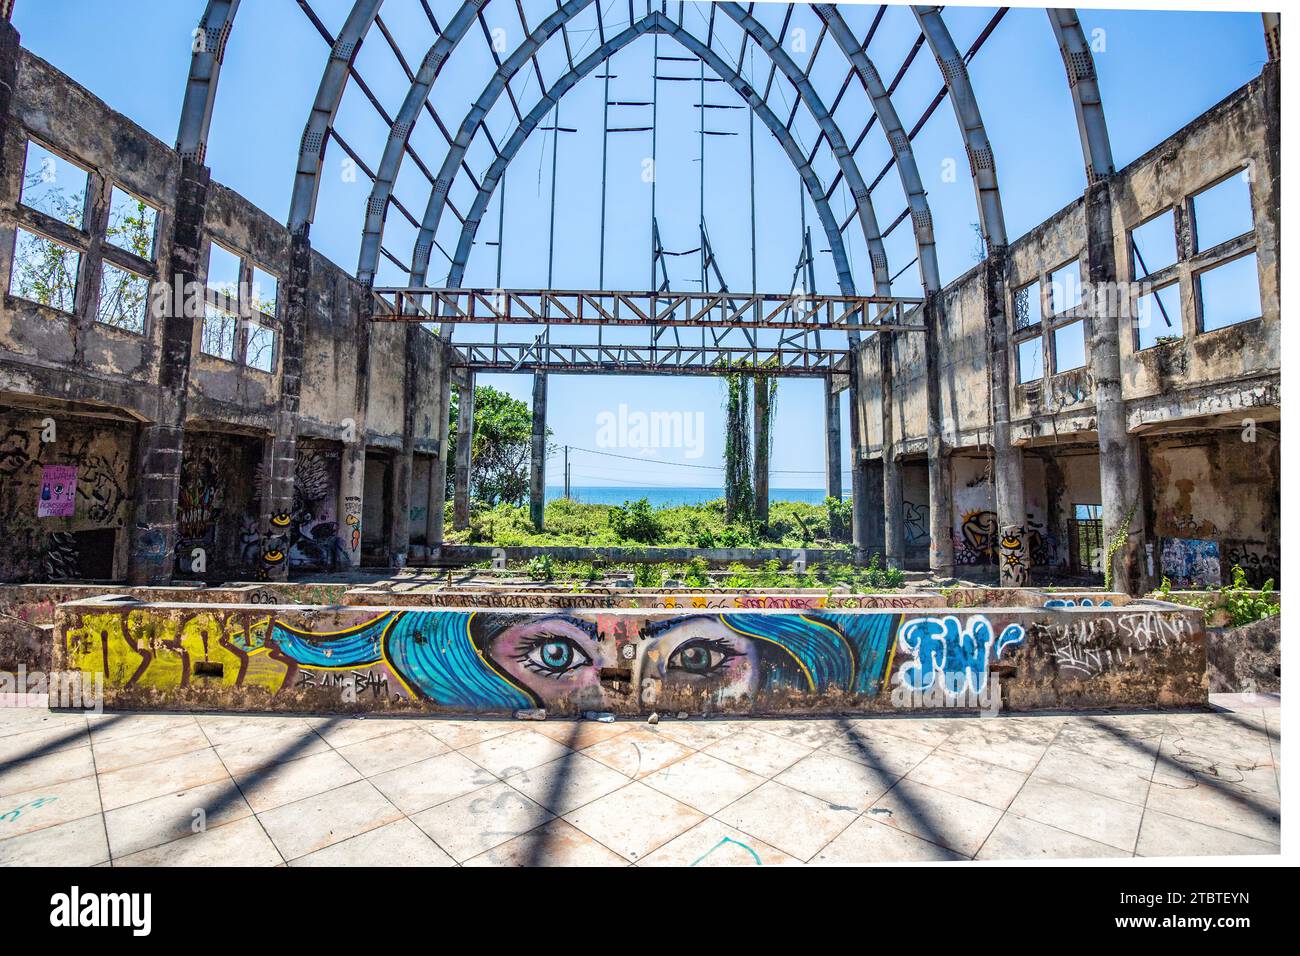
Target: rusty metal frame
x,y
1081,72
649,359
642,309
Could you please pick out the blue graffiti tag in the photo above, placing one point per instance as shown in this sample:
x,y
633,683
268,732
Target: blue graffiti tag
x,y
959,658
1069,602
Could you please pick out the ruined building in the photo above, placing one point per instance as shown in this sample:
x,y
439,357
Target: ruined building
x,y
1054,417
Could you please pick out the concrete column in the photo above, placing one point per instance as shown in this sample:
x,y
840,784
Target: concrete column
x,y
871,485
438,465
834,467
10,43
891,483
464,452
352,481
856,491
1121,510
762,447
282,451
941,561
1008,459
537,471
153,529
399,541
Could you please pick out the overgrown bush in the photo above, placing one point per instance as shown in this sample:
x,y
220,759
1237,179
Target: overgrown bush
x,y
635,521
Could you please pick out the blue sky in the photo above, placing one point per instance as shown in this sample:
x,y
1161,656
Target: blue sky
x,y
1158,70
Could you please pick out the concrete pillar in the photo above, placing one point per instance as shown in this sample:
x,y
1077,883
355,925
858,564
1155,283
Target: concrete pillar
x,y
1008,459
399,541
834,467
537,469
762,447
153,528
464,452
281,454
940,490
438,465
352,482
10,43
857,491
1122,513
890,481
872,487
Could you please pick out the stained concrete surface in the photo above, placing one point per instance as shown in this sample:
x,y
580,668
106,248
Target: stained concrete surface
x,y
128,789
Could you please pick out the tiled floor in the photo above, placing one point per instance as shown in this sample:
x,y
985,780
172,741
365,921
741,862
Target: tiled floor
x,y
159,789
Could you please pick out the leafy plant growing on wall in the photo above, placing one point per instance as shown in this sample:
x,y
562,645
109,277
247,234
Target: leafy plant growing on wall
x,y
738,485
1117,542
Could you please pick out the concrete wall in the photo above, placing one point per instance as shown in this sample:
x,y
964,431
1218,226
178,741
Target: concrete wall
x,y
333,379
232,657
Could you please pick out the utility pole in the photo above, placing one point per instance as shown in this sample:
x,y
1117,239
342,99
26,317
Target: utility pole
x,y
567,494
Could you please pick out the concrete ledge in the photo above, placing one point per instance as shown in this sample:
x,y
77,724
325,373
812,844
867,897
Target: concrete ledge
x,y
232,657
473,553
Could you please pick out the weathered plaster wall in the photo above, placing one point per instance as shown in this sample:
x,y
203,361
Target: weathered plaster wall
x,y
91,543
1215,502
233,657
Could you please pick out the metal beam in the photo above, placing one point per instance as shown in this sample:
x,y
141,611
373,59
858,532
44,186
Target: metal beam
x,y
978,148
729,310
596,359
209,49
653,22
311,150
1081,71
399,135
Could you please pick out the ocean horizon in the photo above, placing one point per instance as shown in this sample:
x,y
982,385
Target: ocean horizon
x,y
660,497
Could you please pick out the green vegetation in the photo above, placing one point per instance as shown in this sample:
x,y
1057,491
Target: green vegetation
x,y
791,524
1240,603
503,429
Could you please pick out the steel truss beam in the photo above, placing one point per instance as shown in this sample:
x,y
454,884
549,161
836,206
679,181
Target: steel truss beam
x,y
649,359
1082,75
633,309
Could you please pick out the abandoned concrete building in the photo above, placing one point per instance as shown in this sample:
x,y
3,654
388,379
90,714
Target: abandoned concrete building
x,y
198,393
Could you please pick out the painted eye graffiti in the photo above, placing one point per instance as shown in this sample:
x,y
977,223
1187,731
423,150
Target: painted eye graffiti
x,y
701,657
553,655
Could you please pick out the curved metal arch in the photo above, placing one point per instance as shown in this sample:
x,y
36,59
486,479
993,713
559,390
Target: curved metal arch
x,y
477,113
1081,71
978,148
839,146
311,151
469,128
657,22
395,148
209,49
899,142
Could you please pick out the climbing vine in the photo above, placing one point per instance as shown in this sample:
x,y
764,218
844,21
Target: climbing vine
x,y
738,483
1117,541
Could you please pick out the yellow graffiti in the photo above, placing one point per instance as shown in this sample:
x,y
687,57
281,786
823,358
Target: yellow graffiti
x,y
163,650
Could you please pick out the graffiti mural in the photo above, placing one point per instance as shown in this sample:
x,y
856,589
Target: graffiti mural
x,y
80,537
627,662
1257,559
916,523
1013,568
217,512
976,542
317,539
1191,562
953,653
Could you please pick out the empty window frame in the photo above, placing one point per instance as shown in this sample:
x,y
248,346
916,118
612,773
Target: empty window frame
x,y
1153,245
259,352
265,292
1068,350
224,272
132,223
1222,212
44,271
54,185
1087,512
123,299
1066,288
1229,293
1029,364
1027,305
219,333
1159,316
